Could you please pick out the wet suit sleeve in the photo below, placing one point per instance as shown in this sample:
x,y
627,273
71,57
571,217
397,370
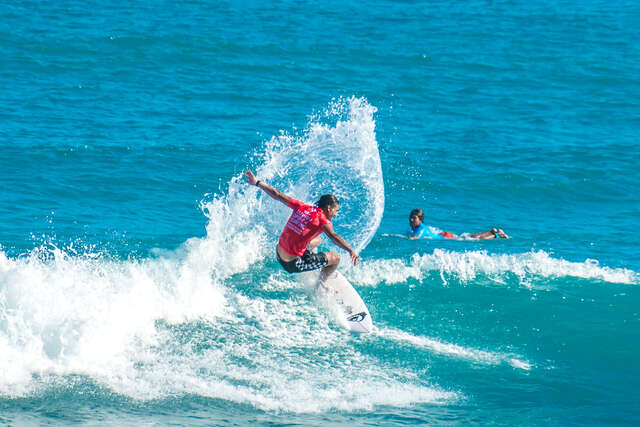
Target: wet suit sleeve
x,y
424,231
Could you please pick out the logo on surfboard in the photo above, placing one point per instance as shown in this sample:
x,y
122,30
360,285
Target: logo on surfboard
x,y
357,317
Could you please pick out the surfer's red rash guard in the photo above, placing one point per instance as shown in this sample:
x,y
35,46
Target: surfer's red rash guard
x,y
304,224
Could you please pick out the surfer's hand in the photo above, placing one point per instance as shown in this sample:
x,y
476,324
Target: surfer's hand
x,y
354,257
250,177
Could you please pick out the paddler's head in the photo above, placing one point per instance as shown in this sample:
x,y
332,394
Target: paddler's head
x,y
329,205
416,217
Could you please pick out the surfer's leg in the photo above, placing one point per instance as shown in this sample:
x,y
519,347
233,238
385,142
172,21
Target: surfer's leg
x,y
309,262
491,234
502,234
333,259
494,233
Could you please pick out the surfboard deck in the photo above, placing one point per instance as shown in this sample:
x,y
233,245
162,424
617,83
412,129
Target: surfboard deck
x,y
353,310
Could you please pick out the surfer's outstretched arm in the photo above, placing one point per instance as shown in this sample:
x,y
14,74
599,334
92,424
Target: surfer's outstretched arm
x,y
339,241
276,194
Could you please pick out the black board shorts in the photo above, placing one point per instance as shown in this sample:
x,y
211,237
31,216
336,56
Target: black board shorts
x,y
307,262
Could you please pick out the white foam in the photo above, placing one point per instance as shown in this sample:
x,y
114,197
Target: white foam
x,y
466,266
282,356
84,314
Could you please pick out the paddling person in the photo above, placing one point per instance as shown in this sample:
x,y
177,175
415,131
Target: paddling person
x,y
302,232
419,229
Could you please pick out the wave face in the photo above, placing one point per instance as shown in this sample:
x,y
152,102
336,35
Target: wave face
x,y
209,318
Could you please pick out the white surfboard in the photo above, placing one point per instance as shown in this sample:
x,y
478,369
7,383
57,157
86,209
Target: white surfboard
x,y
340,292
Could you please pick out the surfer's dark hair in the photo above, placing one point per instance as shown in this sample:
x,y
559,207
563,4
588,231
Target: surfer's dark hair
x,y
327,200
418,213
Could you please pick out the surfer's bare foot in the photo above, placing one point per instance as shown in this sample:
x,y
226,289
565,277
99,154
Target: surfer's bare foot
x,y
326,272
321,286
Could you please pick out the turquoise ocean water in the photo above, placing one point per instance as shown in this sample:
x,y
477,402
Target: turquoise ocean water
x,y
138,284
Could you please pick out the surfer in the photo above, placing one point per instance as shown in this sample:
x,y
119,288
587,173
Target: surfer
x,y
419,229
302,232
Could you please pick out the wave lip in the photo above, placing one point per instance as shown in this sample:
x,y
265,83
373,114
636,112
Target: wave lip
x,y
466,266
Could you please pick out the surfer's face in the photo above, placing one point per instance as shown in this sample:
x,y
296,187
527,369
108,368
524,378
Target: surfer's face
x,y
414,221
332,210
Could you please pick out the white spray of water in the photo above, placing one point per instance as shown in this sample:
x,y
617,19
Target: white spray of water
x,y
341,159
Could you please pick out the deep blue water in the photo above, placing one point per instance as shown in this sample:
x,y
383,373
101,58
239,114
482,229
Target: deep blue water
x,y
137,276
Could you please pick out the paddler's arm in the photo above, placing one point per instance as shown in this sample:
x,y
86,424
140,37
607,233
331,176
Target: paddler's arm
x,y
339,241
276,194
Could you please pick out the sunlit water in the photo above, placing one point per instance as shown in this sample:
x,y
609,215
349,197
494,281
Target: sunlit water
x,y
138,282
